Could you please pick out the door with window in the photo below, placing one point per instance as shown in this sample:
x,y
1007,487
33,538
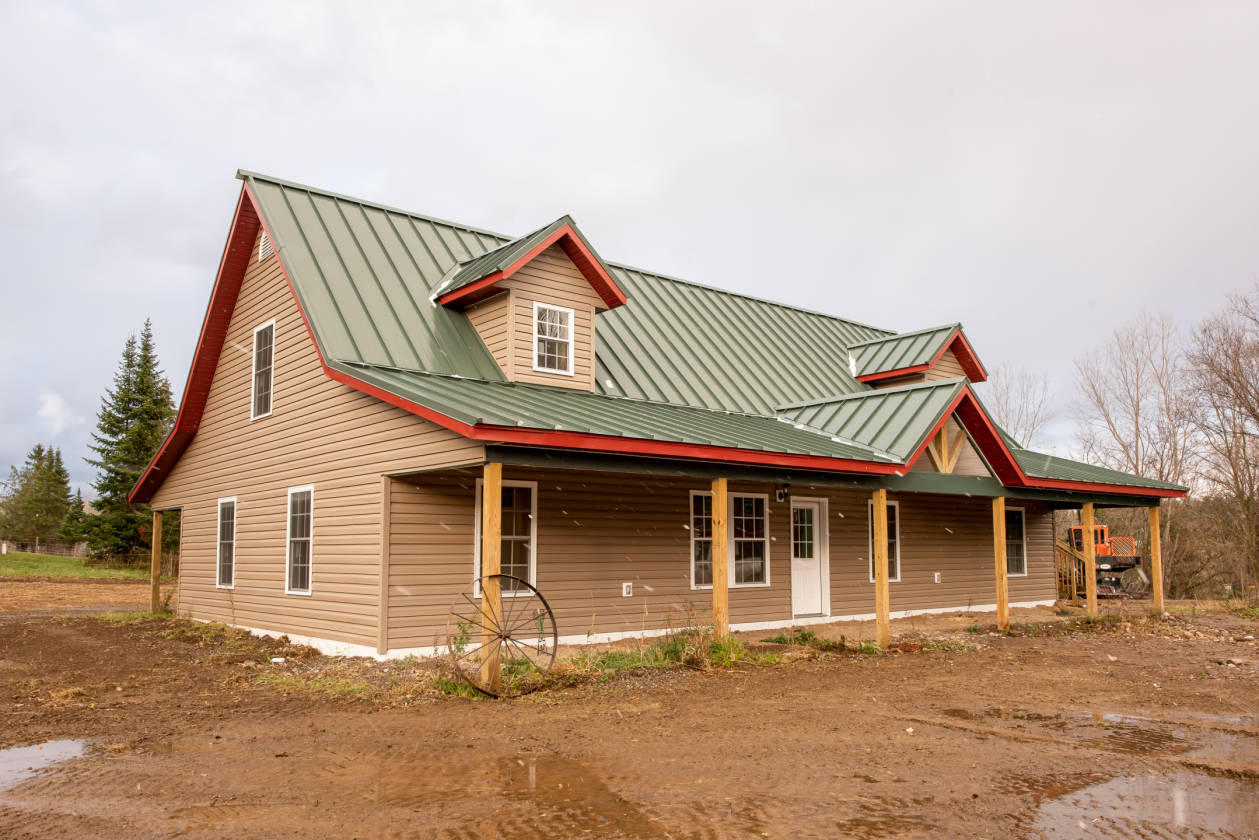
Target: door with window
x,y
808,557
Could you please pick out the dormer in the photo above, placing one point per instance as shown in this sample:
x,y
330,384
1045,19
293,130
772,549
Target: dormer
x,y
534,302
922,356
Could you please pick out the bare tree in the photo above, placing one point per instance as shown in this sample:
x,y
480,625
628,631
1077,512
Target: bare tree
x,y
1224,357
1020,402
1135,412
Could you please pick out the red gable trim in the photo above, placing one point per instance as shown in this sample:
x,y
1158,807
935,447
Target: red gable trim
x,y
586,263
961,348
205,359
992,446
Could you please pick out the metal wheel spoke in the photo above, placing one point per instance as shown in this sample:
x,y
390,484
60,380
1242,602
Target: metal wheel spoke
x,y
482,609
491,628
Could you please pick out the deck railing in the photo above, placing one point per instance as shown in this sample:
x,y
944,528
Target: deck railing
x,y
1070,564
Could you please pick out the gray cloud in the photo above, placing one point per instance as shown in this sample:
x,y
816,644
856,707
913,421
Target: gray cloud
x,y
1038,172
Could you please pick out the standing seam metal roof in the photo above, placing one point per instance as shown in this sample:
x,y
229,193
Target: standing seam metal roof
x,y
898,352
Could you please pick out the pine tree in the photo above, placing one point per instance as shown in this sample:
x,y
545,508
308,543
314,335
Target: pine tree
x,y
135,415
74,527
39,495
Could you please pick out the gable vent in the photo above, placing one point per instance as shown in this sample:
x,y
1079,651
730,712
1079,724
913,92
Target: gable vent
x,y
264,247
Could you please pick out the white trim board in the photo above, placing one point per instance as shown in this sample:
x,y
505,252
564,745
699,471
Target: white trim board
x,y
331,647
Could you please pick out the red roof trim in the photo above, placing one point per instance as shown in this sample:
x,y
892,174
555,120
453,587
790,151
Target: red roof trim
x,y
961,348
890,374
205,359
587,263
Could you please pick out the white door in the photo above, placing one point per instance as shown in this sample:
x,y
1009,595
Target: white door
x,y
808,550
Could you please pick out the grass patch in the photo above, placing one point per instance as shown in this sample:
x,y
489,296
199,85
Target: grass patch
x,y
696,649
23,564
130,616
974,628
804,637
1249,612
456,688
945,645
870,648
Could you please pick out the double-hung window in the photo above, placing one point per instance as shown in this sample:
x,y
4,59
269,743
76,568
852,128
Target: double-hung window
x,y
552,339
1015,543
225,577
748,537
517,557
264,365
893,541
299,539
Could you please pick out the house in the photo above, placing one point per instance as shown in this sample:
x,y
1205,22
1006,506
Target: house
x,y
363,374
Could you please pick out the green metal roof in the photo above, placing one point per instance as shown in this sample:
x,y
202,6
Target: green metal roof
x,y
1040,465
897,352
894,421
566,409
366,276
682,362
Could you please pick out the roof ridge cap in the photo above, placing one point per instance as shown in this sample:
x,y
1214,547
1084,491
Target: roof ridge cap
x,y
934,383
954,326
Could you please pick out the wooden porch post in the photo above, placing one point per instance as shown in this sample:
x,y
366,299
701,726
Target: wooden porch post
x,y
491,564
1156,560
999,556
1090,560
882,591
155,565
721,563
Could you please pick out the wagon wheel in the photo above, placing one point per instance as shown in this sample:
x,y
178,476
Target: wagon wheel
x,y
504,652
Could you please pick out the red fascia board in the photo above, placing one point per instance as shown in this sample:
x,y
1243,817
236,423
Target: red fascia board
x,y
205,359
890,374
966,357
576,250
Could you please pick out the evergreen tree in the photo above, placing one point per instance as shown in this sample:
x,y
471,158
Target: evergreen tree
x,y
38,498
74,528
135,415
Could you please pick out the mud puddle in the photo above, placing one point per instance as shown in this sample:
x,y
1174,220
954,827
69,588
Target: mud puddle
x,y
1173,804
536,796
18,764
1144,736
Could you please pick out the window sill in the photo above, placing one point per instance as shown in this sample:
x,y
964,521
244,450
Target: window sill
x,y
224,586
304,593
537,369
254,417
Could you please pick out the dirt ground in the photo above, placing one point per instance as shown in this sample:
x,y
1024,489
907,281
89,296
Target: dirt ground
x,y
1140,729
62,596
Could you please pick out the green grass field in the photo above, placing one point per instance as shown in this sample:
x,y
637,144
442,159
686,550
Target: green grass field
x,y
22,564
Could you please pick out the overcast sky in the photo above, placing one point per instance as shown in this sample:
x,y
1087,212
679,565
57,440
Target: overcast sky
x,y
1041,174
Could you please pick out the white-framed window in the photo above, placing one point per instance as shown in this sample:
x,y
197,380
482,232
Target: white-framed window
x,y
701,540
225,566
893,540
264,366
299,541
518,555
747,537
1015,543
552,338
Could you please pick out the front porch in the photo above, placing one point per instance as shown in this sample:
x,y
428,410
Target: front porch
x,y
620,547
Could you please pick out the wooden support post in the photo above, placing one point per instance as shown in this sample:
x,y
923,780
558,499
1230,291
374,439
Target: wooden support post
x,y
155,565
1156,560
386,535
721,559
882,589
999,557
1090,560
491,564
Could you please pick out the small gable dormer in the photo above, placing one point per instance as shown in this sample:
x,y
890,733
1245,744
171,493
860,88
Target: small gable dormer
x,y
534,302
922,356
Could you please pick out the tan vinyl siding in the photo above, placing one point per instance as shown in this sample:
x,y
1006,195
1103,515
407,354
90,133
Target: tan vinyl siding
x,y
552,278
948,367
492,321
596,531
320,433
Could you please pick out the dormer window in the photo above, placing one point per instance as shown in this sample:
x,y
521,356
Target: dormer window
x,y
552,339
